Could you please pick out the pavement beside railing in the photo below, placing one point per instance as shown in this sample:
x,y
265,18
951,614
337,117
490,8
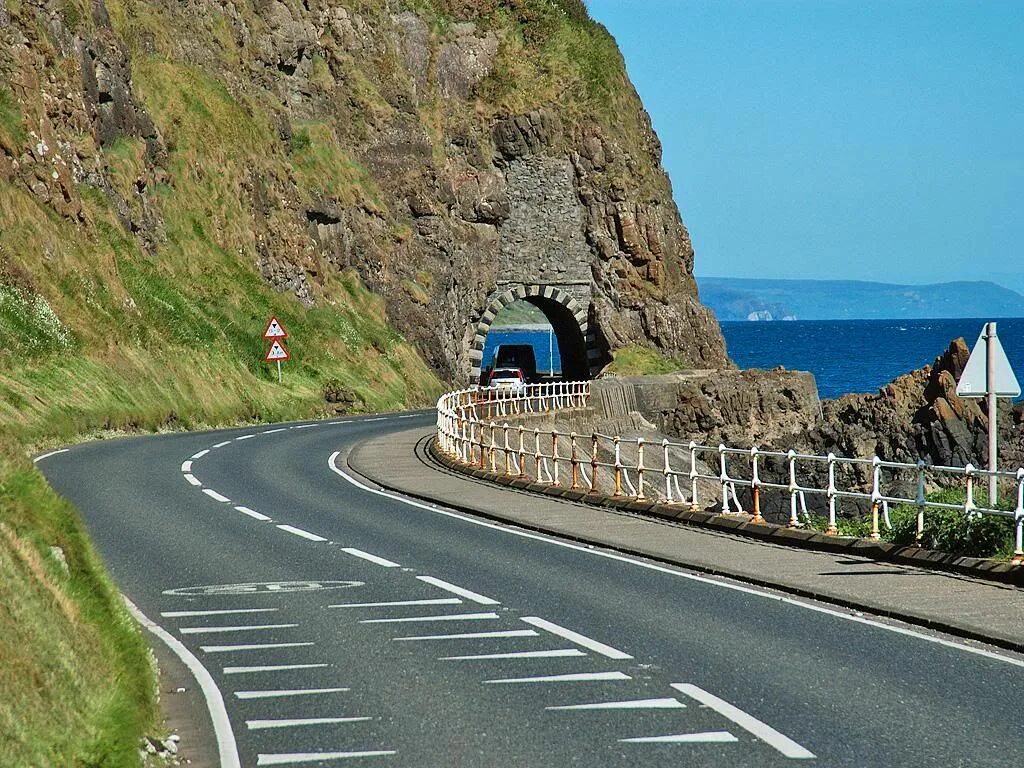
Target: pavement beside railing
x,y
958,604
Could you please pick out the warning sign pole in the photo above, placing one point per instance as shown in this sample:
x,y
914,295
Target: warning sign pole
x,y
278,371
993,423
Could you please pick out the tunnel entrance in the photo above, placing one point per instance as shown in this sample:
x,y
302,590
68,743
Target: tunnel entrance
x,y
541,308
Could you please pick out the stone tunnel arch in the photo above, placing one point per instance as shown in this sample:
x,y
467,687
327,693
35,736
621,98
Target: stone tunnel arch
x,y
569,320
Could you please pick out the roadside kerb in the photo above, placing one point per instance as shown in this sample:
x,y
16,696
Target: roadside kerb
x,y
958,605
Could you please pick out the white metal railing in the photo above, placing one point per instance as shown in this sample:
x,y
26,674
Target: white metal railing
x,y
473,429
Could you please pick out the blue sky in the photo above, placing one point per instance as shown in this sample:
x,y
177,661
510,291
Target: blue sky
x,y
838,139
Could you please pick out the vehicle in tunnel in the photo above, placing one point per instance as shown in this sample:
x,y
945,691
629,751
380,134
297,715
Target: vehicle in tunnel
x,y
519,356
508,379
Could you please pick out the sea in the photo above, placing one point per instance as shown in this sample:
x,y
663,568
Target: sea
x,y
845,356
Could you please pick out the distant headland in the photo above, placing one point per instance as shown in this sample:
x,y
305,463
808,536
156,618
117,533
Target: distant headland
x,y
756,299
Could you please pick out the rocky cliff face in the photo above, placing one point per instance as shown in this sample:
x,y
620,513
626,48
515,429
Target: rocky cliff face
x,y
438,149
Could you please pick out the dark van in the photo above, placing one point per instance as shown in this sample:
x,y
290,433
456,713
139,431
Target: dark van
x,y
517,356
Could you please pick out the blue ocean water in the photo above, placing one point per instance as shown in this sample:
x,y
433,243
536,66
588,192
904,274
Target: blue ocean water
x,y
859,355
548,359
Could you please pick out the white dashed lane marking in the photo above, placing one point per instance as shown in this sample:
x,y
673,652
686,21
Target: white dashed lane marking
x,y
710,737
244,437
302,533
635,704
444,617
476,598
556,654
749,723
216,496
186,466
193,480
250,647
317,757
372,558
576,637
474,635
256,725
272,668
221,612
582,677
432,601
200,454
221,445
249,628
287,693
252,513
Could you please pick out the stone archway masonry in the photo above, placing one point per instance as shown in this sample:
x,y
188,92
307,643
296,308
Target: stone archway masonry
x,y
575,298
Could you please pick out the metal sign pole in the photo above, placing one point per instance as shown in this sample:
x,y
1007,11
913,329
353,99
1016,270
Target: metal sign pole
x,y
278,371
993,427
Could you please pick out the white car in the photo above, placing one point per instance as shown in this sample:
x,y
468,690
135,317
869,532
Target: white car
x,y
509,380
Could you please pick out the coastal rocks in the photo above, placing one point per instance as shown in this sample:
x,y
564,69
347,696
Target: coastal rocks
x,y
738,408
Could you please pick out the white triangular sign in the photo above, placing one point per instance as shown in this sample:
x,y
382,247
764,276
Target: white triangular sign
x,y
275,330
277,351
973,382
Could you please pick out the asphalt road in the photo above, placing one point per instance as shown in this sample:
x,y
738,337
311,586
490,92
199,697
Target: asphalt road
x,y
339,625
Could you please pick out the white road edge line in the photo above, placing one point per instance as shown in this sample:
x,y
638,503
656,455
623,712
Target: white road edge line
x,y
666,703
186,466
220,612
252,513
302,533
216,496
762,593
709,737
448,587
286,693
37,459
431,601
316,757
576,637
749,723
474,635
226,747
247,628
582,677
372,558
256,725
193,480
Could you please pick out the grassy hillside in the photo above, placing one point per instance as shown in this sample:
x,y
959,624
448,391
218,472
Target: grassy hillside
x,y
162,170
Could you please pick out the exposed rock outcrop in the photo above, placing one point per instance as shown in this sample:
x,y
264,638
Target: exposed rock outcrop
x,y
438,153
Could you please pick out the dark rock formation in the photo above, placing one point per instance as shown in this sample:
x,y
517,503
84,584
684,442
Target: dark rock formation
x,y
459,175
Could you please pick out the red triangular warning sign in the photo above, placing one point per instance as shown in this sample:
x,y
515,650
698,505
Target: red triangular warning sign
x,y
275,330
277,351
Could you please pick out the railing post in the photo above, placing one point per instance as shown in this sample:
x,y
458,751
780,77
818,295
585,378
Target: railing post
x,y
618,468
493,449
1018,519
507,450
694,503
593,463
755,487
536,453
876,497
921,501
969,493
832,529
574,462
640,469
554,458
794,521
668,472
522,453
723,476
